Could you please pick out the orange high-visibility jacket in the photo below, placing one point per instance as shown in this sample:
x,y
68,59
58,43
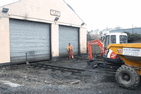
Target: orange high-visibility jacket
x,y
69,48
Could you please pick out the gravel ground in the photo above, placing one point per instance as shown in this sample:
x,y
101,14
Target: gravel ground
x,y
22,79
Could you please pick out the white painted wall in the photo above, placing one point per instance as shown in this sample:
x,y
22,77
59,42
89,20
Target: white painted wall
x,y
39,10
4,41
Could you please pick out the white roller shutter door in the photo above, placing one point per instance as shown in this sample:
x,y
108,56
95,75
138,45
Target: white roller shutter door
x,y
68,35
29,37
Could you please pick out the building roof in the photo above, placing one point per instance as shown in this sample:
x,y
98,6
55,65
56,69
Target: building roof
x,y
73,11
10,3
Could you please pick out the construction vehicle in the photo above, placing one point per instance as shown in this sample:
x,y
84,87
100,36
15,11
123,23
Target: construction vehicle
x,y
110,38
128,75
119,57
94,42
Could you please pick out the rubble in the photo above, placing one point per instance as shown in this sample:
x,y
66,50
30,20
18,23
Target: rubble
x,y
75,82
36,81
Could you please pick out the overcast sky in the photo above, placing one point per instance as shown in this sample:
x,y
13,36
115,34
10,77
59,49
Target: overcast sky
x,y
100,14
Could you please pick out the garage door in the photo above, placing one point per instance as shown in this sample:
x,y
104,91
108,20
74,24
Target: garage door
x,y
31,38
68,35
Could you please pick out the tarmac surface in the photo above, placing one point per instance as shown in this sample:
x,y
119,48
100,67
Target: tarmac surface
x,y
23,79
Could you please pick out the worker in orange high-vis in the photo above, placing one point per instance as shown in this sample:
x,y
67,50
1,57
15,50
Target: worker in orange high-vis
x,y
70,51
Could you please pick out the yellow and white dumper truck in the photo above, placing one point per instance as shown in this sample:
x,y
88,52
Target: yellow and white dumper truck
x,y
128,74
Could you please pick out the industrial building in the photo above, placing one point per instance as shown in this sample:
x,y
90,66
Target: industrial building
x,y
130,30
40,30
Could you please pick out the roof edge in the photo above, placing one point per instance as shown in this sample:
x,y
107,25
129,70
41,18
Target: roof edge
x,y
10,3
73,11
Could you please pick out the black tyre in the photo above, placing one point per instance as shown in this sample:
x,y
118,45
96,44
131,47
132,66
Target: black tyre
x,y
127,77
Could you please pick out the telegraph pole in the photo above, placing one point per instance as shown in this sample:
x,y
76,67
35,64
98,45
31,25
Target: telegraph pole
x,y
132,29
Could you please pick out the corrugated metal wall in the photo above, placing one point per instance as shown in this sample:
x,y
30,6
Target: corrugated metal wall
x,y
68,35
130,30
31,38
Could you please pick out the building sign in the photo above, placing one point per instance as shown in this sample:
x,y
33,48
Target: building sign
x,y
55,13
132,52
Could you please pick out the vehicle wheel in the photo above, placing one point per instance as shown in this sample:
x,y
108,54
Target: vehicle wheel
x,y
127,77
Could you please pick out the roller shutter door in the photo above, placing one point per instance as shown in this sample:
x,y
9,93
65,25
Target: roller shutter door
x,y
68,35
31,38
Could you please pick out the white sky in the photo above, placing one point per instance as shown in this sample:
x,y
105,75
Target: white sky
x,y
100,14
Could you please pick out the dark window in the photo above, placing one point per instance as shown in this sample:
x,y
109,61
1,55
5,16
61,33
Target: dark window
x,y
102,39
123,39
107,41
113,38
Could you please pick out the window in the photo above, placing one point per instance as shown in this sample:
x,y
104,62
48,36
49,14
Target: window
x,y
113,38
107,41
123,39
102,39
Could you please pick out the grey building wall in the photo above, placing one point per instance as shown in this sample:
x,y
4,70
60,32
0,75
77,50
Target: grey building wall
x,y
130,30
115,31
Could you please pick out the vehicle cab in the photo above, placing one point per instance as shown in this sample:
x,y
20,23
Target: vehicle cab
x,y
113,38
